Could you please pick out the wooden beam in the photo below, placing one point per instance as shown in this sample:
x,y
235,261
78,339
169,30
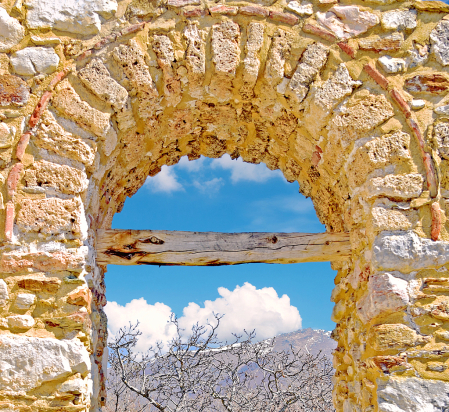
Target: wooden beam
x,y
151,247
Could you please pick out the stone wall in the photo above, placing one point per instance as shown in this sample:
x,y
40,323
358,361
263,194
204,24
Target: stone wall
x,y
350,100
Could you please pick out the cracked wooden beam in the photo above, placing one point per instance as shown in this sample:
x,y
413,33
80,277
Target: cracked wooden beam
x,y
151,247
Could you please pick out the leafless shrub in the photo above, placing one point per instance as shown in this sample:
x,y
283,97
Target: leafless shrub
x,y
201,373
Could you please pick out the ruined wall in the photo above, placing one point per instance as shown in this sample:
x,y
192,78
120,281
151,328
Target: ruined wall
x,y
348,99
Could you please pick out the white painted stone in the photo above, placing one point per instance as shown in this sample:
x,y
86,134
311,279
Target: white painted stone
x,y
386,294
399,20
6,135
34,60
28,362
4,296
347,21
81,16
406,252
304,9
439,38
392,64
442,110
417,104
413,395
21,322
11,31
24,301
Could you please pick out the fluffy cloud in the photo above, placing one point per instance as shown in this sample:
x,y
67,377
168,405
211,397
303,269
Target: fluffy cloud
x,y
241,171
209,186
245,307
191,165
165,181
153,320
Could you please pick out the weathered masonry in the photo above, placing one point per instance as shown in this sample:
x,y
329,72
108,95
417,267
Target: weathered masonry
x,y
350,99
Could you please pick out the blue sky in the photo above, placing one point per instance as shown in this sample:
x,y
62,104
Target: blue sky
x,y
220,195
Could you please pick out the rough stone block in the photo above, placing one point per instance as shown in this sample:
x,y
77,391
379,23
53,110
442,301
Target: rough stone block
x,y
13,90
41,360
439,38
64,179
24,301
51,216
39,283
80,17
412,395
386,294
392,65
6,136
399,20
406,252
11,31
51,136
382,43
300,9
347,21
390,219
20,323
4,295
441,134
401,187
394,337
34,60
225,47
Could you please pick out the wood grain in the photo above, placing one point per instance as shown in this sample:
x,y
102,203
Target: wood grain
x,y
150,247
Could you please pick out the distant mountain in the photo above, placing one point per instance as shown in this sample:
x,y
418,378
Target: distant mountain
x,y
313,340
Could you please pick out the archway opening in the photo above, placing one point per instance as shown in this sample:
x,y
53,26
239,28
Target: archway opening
x,y
222,195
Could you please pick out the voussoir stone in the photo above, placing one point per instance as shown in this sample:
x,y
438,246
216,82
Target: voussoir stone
x,y
412,395
34,60
35,361
81,17
439,38
96,77
406,252
11,31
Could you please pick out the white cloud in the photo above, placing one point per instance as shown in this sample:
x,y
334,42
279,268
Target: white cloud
x,y
241,171
191,165
209,186
153,320
245,307
165,181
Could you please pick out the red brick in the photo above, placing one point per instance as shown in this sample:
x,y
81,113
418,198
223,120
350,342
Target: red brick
x,y
59,76
13,179
40,108
377,76
436,221
254,11
84,55
431,176
316,157
318,31
13,90
22,145
222,9
347,49
403,105
286,18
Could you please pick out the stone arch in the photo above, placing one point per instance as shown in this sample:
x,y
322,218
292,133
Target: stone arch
x,y
327,94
